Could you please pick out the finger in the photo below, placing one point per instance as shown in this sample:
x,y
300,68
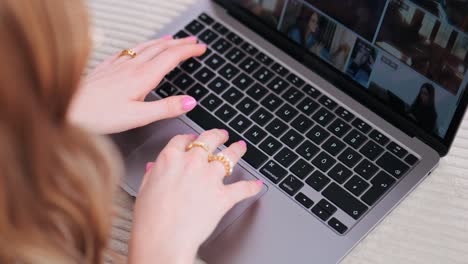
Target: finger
x,y
233,153
242,190
153,51
140,48
149,165
213,139
181,142
170,107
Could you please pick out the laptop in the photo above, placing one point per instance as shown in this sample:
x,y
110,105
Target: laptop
x,y
346,107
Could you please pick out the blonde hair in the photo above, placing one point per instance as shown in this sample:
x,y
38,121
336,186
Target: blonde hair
x,y
56,181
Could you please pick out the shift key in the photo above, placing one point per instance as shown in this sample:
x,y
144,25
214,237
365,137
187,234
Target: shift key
x,y
345,201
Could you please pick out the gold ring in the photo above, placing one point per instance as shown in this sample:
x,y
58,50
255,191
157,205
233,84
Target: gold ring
x,y
128,52
198,144
227,163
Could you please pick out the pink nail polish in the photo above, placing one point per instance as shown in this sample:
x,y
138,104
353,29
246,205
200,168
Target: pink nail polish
x,y
243,143
167,37
149,165
259,183
188,103
225,132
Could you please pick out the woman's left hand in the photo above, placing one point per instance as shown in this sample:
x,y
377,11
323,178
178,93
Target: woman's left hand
x,y
111,98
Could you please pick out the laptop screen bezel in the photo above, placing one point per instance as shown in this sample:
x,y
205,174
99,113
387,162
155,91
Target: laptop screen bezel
x,y
345,84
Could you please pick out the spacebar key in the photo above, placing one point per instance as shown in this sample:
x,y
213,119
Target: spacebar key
x,y
345,201
207,121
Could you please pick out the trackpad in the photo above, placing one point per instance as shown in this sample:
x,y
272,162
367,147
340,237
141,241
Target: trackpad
x,y
159,135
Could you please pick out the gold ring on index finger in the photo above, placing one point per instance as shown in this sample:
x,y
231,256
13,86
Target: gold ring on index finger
x,y
198,144
128,52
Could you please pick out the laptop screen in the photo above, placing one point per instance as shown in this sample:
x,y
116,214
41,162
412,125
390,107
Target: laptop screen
x,y
412,55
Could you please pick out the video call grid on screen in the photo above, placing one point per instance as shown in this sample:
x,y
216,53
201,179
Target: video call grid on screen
x,y
411,54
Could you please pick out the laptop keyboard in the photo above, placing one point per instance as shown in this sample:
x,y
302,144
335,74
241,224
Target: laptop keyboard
x,y
317,152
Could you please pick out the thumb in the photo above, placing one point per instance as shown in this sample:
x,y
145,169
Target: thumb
x,y
166,108
242,190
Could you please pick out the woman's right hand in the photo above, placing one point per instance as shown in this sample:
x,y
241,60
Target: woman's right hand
x,y
183,198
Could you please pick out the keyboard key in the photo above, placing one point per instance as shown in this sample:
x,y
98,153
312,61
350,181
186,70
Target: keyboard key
x,y
311,91
249,65
307,150
321,213
345,114
234,38
339,128
381,183
215,61
208,36
263,75
355,139
204,75
235,55
318,135
291,185
323,117
327,206
218,85
333,146
301,169
328,102
411,159
286,157
308,106
250,49
293,96
278,85
191,65
270,146
173,74
166,89
205,55
247,106
255,134
274,172
350,157
181,34
337,225
318,181
183,82
195,27
226,113
340,173
379,137
206,19
233,95
197,91
242,81
257,91
262,117
272,102
287,113
279,69
211,102
304,200
292,139
240,123
392,165
302,123
397,150
323,161
344,200
220,28
277,127
263,58
371,150
366,169
361,125
221,46
229,71
295,80
356,185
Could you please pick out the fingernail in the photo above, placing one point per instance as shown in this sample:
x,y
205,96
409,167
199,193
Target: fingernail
x,y
225,132
203,45
189,103
259,183
192,38
149,165
167,37
243,143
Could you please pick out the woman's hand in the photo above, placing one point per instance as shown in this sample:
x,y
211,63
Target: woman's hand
x,y
183,198
111,99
